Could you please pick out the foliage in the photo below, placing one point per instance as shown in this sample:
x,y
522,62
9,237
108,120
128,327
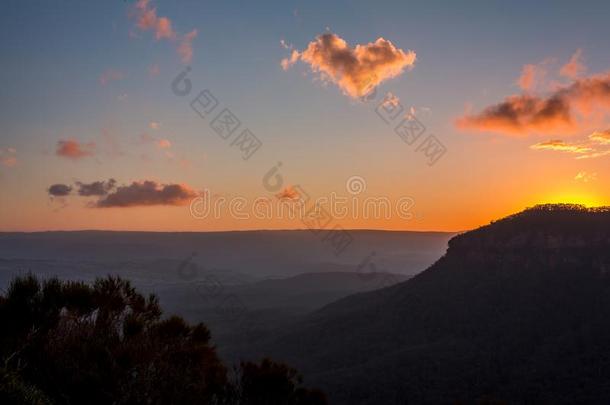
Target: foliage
x,y
68,342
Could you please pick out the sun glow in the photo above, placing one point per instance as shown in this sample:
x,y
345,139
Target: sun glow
x,y
587,200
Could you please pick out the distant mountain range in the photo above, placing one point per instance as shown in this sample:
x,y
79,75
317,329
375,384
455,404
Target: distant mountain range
x,y
268,278
516,311
253,254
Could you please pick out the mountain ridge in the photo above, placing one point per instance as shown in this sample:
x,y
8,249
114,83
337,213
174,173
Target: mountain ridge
x,y
487,320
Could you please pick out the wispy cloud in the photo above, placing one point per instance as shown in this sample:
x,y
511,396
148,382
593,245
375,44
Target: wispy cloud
x,y
596,145
160,143
585,177
533,75
185,49
575,67
356,71
8,157
559,145
146,19
602,137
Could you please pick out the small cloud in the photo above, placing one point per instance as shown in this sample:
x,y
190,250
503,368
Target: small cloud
x,y
154,125
532,75
559,145
73,149
97,188
159,143
185,49
163,144
59,190
602,137
288,193
147,20
390,100
574,68
356,71
147,193
110,75
8,157
585,177
594,155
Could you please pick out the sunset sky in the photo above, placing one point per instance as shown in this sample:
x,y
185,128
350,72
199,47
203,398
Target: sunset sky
x,y
94,136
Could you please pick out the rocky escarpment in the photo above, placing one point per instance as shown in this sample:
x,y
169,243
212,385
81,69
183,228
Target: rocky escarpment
x,y
515,311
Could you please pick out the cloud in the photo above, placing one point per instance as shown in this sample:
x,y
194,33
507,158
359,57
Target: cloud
x,y
559,145
602,137
390,100
531,76
158,142
566,110
97,188
147,20
585,177
163,144
288,193
594,146
185,49
356,71
154,125
8,157
59,190
595,155
73,149
110,75
147,193
574,67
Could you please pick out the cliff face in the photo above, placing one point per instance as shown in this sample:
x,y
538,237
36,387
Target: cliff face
x,y
547,237
517,310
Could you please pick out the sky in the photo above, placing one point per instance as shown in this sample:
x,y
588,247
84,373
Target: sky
x,y
384,115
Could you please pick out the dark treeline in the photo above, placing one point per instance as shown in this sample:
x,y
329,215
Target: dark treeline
x,y
64,342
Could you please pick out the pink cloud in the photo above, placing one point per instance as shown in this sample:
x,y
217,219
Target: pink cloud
x,y
73,149
574,68
185,49
567,110
158,142
8,157
147,20
356,71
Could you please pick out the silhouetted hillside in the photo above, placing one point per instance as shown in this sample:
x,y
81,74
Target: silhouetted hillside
x,y
65,342
516,311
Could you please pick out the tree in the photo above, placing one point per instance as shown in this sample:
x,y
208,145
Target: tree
x,y
70,342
